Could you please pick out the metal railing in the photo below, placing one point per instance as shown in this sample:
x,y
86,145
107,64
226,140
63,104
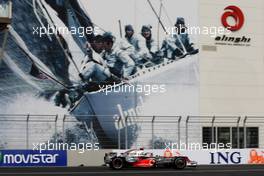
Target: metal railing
x,y
22,131
19,131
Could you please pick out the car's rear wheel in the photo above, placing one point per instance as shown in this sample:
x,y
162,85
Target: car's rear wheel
x,y
179,163
117,163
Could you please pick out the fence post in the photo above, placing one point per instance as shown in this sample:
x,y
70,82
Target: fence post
x,y
212,128
152,131
56,130
126,142
63,128
245,132
186,130
238,135
179,130
27,132
119,136
92,131
231,136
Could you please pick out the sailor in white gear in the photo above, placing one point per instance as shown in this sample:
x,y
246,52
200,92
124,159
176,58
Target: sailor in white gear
x,y
179,44
151,44
94,72
139,44
118,56
94,68
170,49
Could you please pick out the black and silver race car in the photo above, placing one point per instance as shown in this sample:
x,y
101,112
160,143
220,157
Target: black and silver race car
x,y
139,158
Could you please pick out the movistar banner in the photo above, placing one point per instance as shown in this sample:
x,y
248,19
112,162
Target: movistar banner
x,y
33,158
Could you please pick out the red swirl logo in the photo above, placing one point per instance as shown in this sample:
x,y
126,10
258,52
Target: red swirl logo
x,y
236,13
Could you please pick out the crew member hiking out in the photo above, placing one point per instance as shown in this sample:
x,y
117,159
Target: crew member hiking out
x,y
151,44
141,53
178,45
117,55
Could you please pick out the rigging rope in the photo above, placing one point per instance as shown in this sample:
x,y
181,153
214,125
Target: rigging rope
x,y
167,15
3,44
59,40
183,47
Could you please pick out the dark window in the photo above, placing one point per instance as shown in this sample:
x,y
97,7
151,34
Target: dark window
x,y
223,135
208,137
234,137
252,137
229,135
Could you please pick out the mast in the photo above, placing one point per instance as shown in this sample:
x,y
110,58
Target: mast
x,y
156,14
158,30
120,28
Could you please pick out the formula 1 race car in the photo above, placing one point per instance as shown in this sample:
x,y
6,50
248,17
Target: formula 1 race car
x,y
139,158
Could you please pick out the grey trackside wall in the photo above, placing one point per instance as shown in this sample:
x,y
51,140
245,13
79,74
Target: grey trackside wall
x,y
88,158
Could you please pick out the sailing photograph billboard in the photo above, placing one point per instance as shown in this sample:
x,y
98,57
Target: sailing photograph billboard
x,y
82,71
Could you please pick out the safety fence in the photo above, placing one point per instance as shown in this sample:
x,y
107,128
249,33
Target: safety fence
x,y
153,132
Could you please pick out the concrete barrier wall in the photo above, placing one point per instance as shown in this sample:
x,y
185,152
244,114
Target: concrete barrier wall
x,y
88,158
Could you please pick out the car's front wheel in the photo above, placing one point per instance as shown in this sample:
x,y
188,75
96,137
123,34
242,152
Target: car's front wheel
x,y
117,163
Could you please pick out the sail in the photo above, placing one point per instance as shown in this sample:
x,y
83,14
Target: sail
x,y
28,53
72,15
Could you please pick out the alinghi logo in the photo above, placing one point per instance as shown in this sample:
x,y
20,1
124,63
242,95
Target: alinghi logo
x,y
225,38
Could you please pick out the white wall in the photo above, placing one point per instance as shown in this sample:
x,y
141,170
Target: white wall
x,y
232,77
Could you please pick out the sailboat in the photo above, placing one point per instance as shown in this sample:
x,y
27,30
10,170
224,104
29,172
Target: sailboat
x,y
112,111
121,111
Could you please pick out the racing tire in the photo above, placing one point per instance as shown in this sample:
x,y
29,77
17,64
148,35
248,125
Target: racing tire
x,y
117,163
179,163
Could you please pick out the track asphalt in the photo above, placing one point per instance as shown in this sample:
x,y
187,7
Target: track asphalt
x,y
227,170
